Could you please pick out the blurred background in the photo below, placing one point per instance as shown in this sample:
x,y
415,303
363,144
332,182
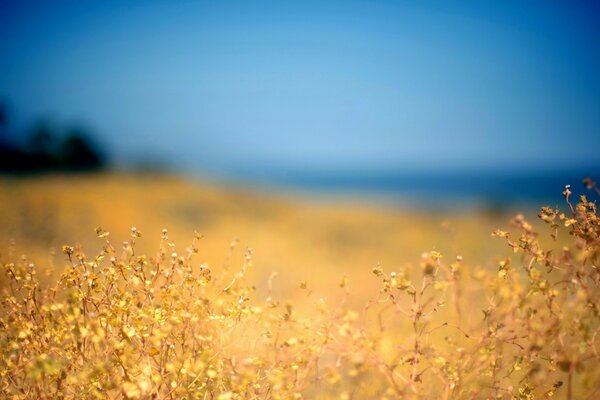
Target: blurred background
x,y
419,98
371,131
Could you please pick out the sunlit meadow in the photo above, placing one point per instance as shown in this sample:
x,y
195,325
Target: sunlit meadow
x,y
330,301
349,200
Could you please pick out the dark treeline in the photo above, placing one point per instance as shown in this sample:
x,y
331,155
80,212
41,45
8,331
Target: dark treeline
x,y
45,149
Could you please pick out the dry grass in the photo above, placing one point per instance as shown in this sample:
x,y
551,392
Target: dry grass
x,y
356,310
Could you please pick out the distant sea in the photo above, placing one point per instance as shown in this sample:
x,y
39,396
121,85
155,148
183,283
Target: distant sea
x,y
432,189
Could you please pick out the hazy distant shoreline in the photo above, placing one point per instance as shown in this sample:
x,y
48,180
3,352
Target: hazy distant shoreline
x,y
425,189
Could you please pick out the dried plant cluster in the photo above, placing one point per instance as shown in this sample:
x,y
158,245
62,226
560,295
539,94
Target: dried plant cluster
x,y
124,325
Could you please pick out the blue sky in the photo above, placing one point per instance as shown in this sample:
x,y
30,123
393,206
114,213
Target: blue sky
x,y
320,85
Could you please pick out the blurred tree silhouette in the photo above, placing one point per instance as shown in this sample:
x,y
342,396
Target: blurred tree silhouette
x,y
3,122
10,156
4,141
46,150
77,151
40,147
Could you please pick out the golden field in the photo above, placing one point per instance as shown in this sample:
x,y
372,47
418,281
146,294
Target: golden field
x,y
336,298
300,239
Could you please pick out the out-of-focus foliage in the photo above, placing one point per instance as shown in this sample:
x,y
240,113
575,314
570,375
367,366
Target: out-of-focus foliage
x,y
47,149
126,325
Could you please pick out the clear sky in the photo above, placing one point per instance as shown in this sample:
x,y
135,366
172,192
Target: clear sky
x,y
322,85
